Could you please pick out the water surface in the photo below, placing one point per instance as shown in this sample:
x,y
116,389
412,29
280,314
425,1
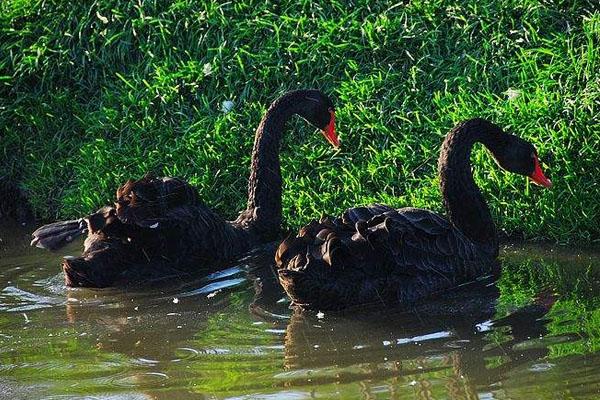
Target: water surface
x,y
533,334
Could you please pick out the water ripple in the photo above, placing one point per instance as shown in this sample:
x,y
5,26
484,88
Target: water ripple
x,y
27,301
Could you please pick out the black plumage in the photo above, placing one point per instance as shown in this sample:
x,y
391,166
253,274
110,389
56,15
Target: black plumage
x,y
398,256
163,224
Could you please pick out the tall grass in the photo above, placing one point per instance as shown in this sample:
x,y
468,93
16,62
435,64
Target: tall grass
x,y
95,92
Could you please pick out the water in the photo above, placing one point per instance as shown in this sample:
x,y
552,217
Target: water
x,y
534,334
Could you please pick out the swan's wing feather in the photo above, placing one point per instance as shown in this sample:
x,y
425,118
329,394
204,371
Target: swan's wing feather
x,y
426,243
375,253
145,201
353,215
195,231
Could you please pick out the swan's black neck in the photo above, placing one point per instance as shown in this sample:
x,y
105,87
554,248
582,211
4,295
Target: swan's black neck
x,y
263,213
463,200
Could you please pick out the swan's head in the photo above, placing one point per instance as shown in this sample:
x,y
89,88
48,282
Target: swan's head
x,y
318,110
520,157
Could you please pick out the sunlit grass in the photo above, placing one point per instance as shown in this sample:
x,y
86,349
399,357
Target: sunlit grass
x,y
92,93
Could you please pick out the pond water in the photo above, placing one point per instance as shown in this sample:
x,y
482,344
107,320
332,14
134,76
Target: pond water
x,y
533,334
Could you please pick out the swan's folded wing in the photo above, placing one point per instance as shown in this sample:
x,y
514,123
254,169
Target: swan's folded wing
x,y
193,231
406,241
357,214
375,253
146,201
140,204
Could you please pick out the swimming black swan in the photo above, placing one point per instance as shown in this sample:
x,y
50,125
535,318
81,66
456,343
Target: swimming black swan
x,y
162,222
380,254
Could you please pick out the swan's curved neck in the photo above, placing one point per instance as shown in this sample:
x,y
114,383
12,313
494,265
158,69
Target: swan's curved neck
x,y
463,200
263,213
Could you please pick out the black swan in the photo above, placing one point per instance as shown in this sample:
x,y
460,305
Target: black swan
x,y
397,256
162,221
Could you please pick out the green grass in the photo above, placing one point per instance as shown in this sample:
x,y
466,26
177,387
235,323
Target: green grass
x,y
92,93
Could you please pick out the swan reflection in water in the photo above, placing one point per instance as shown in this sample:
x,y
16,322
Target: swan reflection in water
x,y
458,331
454,338
411,346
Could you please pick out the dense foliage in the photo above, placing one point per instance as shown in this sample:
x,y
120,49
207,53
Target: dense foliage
x,y
94,92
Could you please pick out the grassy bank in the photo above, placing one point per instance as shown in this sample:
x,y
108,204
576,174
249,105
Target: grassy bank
x,y
92,93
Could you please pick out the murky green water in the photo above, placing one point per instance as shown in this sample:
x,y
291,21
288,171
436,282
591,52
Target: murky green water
x,y
534,334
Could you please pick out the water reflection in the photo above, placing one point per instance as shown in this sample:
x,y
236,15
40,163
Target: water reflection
x,y
445,339
535,333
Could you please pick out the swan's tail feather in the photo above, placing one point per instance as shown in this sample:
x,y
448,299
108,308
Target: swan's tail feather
x,y
58,234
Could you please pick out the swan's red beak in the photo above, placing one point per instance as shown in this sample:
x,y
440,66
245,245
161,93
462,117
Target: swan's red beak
x,y
329,131
538,176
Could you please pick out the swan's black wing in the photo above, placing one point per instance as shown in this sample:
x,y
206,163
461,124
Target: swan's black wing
x,y
191,231
377,254
158,225
184,240
172,223
140,204
147,200
56,235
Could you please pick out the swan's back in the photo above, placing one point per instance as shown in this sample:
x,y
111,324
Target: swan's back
x,y
141,201
157,224
377,253
168,220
